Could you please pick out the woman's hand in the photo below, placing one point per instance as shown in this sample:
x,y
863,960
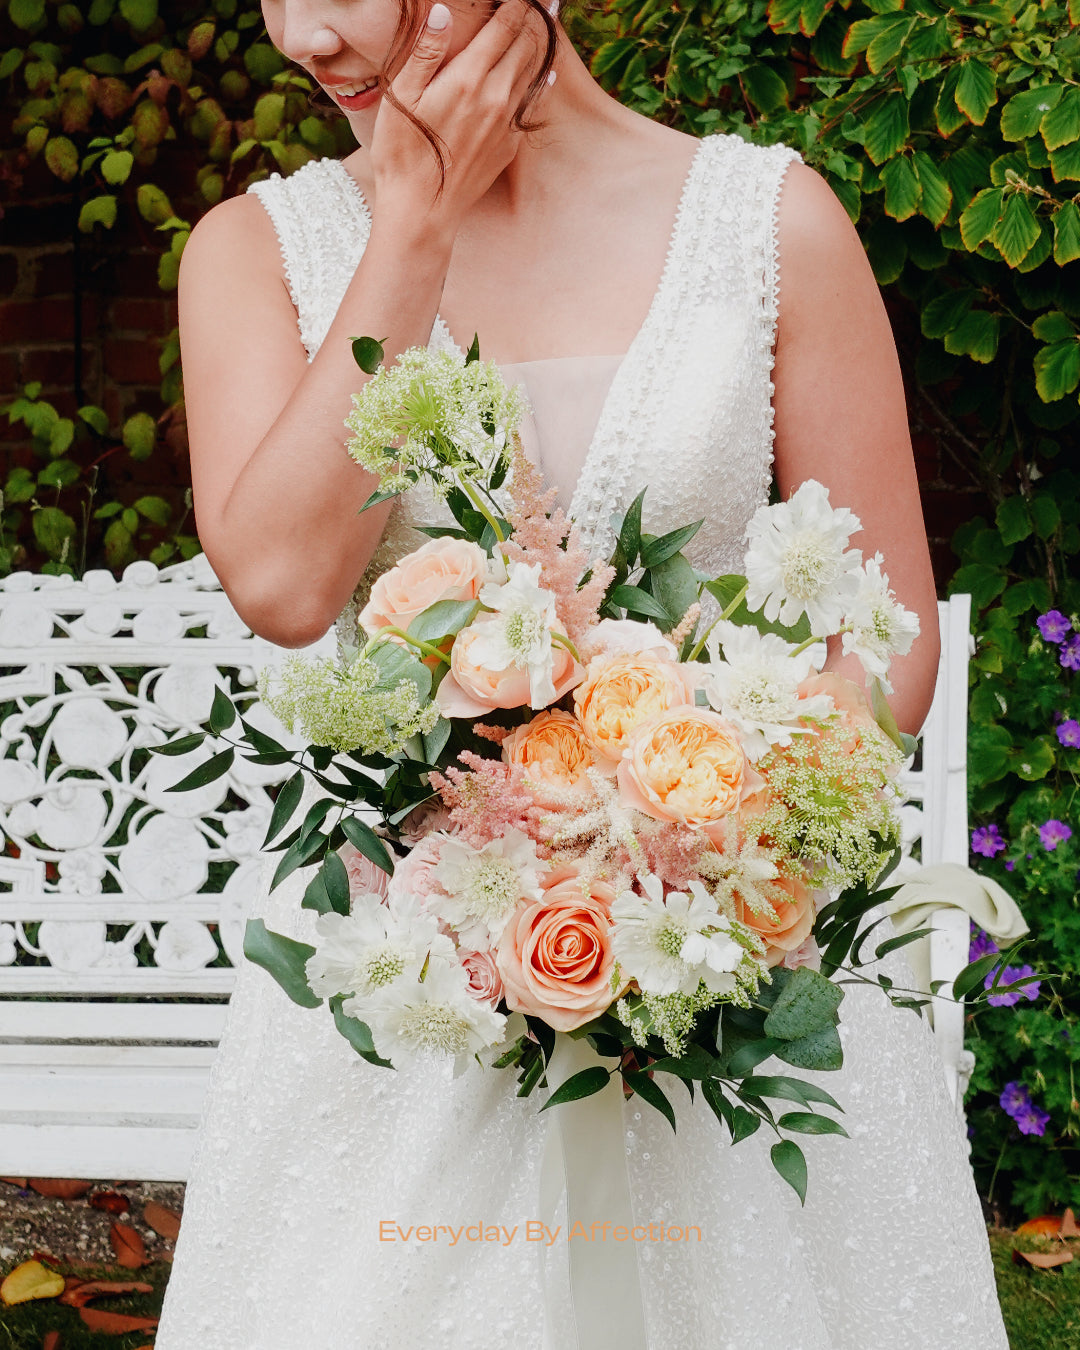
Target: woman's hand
x,y
468,104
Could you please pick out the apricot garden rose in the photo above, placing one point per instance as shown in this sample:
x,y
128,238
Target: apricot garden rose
x,y
470,689
685,765
552,750
621,690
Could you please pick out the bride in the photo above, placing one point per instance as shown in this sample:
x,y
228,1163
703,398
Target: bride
x,y
695,316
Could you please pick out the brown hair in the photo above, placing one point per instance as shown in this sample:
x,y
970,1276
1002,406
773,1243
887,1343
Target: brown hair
x,y
412,12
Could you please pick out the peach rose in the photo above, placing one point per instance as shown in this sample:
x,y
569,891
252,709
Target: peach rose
x,y
552,750
364,877
621,690
555,954
851,703
442,569
685,765
470,690
794,919
485,983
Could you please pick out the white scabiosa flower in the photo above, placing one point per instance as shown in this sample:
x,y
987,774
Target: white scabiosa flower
x,y
796,561
521,635
484,885
881,627
434,1016
375,946
755,686
670,944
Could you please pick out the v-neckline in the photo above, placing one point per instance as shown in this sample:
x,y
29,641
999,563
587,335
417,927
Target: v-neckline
x,y
639,341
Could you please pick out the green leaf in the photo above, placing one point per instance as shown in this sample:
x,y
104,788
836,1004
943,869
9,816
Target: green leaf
x,y
364,838
282,957
1054,326
328,890
1065,163
222,711
979,218
936,196
820,1050
269,113
942,314
180,747
62,158
886,128
26,13
140,435
60,473
1061,125
1066,221
214,768
1013,519
744,1123
648,1090
139,13
155,509
95,418
443,619
809,1122
974,974
789,1089
288,799
976,91
1022,116
630,530
976,335
581,1084
901,187
357,1033
1057,370
154,206
889,42
97,211
947,115
53,529
674,584
640,602
790,1161
1047,517
658,551
1017,231
1033,760
807,1002
116,166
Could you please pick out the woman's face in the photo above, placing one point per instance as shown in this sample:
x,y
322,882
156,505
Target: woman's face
x,y
344,44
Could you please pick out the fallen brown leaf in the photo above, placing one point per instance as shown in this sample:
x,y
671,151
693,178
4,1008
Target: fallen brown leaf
x,y
82,1294
28,1281
59,1188
1069,1227
51,1341
164,1222
1041,1260
15,1181
116,1324
128,1245
112,1202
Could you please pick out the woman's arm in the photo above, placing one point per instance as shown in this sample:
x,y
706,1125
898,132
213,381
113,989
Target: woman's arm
x,y
276,496
840,415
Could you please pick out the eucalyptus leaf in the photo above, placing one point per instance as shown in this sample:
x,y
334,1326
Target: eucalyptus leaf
x,y
806,1004
368,354
357,1033
443,619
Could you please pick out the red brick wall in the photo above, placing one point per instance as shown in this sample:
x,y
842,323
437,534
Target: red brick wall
x,y
125,317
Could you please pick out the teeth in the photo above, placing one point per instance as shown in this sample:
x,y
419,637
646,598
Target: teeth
x,y
351,90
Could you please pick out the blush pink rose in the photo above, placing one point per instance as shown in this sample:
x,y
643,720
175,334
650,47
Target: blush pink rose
x,y
442,569
555,954
364,877
414,875
485,983
471,690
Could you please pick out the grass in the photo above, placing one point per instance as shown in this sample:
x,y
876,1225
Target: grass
x,y
23,1327
1041,1307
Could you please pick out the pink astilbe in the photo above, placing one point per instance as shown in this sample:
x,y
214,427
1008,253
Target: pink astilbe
x,y
486,798
686,625
672,852
490,733
539,537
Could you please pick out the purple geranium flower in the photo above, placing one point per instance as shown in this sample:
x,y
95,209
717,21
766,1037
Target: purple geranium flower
x,y
1033,1120
1014,1098
1054,832
1054,626
1012,975
982,944
1009,865
1068,733
1069,656
987,840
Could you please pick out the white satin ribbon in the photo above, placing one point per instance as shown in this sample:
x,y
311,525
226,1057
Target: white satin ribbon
x,y
585,1158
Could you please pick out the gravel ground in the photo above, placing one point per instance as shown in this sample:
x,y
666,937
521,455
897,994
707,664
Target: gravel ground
x,y
73,1229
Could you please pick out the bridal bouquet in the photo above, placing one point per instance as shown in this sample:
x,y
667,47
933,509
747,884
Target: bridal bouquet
x,y
621,803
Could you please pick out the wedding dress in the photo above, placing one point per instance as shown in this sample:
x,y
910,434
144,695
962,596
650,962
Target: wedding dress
x,y
309,1157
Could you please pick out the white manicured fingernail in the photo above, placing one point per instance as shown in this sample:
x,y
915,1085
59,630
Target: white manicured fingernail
x,y
553,9
552,76
438,18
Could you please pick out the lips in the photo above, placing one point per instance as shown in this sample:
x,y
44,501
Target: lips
x,y
352,95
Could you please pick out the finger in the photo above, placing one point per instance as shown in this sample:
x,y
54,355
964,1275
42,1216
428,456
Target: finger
x,y
426,56
502,32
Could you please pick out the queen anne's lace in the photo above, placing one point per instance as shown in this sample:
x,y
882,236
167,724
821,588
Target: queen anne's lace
x,y
306,1149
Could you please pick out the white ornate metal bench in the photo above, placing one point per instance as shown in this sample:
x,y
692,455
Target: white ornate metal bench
x,y
122,906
